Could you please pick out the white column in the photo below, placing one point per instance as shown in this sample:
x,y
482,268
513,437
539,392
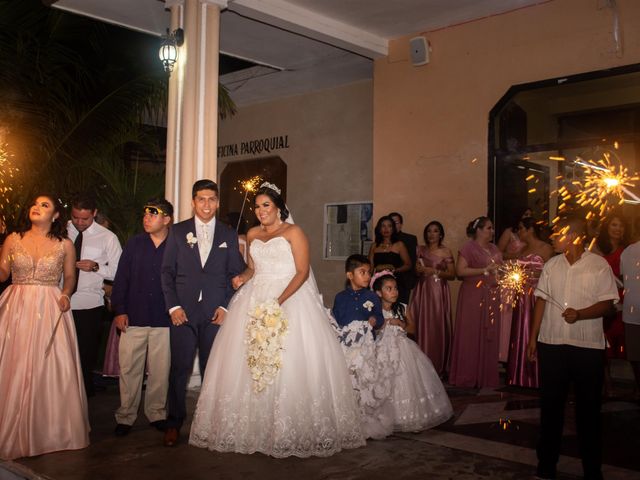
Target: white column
x,y
192,124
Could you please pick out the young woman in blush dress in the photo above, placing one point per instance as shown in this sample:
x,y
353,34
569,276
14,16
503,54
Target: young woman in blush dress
x,y
389,253
520,371
43,406
431,301
474,361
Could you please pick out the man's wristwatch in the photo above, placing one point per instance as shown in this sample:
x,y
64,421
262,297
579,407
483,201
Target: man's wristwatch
x,y
95,268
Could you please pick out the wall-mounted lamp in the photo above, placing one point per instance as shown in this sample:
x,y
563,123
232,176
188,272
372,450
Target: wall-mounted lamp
x,y
169,49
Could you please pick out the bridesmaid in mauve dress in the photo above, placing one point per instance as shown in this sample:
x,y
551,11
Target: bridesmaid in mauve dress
x,y
431,301
520,371
474,361
511,245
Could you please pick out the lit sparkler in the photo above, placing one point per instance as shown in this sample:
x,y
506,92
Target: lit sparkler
x,y
249,185
512,279
604,186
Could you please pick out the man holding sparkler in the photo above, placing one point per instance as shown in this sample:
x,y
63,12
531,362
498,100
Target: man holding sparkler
x,y
575,290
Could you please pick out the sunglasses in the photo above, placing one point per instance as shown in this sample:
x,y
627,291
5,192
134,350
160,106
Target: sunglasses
x,y
149,210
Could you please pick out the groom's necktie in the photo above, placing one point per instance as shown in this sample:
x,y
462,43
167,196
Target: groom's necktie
x,y
78,246
206,245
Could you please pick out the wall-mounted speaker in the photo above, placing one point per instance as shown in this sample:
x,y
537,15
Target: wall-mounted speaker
x,y
419,50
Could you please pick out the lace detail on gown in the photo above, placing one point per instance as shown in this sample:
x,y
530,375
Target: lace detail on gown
x,y
418,398
310,409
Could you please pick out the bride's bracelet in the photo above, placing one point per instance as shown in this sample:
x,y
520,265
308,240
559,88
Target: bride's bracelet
x,y
65,295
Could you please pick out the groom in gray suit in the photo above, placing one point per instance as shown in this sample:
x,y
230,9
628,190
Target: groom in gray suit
x,y
200,259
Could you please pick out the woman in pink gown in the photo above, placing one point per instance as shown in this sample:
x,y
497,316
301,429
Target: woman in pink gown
x,y
474,360
520,371
511,245
43,407
431,301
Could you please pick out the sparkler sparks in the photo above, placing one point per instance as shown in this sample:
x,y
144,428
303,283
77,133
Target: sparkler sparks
x,y
604,185
249,185
513,280
7,172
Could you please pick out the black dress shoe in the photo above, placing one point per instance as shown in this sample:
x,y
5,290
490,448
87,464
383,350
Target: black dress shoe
x,y
122,429
159,425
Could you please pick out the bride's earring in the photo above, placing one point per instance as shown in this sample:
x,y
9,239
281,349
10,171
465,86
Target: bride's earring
x,y
279,218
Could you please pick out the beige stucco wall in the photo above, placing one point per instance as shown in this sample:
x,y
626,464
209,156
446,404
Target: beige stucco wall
x,y
430,123
329,158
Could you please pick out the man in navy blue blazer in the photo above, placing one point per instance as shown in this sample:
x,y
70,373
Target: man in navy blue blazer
x,y
200,259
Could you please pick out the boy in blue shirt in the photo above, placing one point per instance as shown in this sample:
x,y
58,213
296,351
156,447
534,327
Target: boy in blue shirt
x,y
358,311
357,302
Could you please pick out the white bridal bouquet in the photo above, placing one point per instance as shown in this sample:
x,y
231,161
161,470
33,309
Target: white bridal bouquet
x,y
265,333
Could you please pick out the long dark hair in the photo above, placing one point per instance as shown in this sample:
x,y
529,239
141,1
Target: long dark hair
x,y
440,228
276,198
58,229
604,242
397,308
378,230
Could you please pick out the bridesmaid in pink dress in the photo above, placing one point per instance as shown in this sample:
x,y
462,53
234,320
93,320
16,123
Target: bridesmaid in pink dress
x,y
474,361
431,300
520,371
511,245
43,407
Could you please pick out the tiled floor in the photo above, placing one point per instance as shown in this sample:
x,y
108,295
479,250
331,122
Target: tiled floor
x,y
492,436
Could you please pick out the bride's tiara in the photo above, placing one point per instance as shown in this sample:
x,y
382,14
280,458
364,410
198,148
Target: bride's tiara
x,y
272,187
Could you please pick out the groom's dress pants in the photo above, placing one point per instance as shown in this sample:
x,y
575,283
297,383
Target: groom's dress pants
x,y
196,334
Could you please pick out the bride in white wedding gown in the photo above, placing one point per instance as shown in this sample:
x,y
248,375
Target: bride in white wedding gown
x,y
308,407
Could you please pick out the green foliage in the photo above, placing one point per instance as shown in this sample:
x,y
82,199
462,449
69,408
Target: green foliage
x,y
74,96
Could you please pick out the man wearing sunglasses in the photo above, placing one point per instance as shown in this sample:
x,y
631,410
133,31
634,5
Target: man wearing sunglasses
x,y
141,317
201,258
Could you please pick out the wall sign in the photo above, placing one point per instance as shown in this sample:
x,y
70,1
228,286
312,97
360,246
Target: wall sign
x,y
254,147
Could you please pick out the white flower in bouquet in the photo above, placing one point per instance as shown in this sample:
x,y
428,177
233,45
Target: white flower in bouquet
x,y
264,339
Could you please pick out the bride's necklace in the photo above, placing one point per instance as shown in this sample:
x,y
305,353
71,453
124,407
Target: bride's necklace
x,y
385,246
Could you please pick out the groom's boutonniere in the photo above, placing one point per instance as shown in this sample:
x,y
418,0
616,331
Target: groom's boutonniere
x,y
191,239
368,305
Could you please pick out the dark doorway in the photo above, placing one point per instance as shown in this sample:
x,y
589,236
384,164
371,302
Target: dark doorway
x,y
541,133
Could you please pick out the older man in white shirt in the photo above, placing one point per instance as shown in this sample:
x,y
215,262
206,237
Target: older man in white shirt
x,y
97,254
575,290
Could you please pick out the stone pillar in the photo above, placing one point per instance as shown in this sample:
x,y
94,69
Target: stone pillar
x,y
192,123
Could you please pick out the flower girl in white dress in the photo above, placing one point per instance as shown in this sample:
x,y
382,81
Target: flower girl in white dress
x,y
418,397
